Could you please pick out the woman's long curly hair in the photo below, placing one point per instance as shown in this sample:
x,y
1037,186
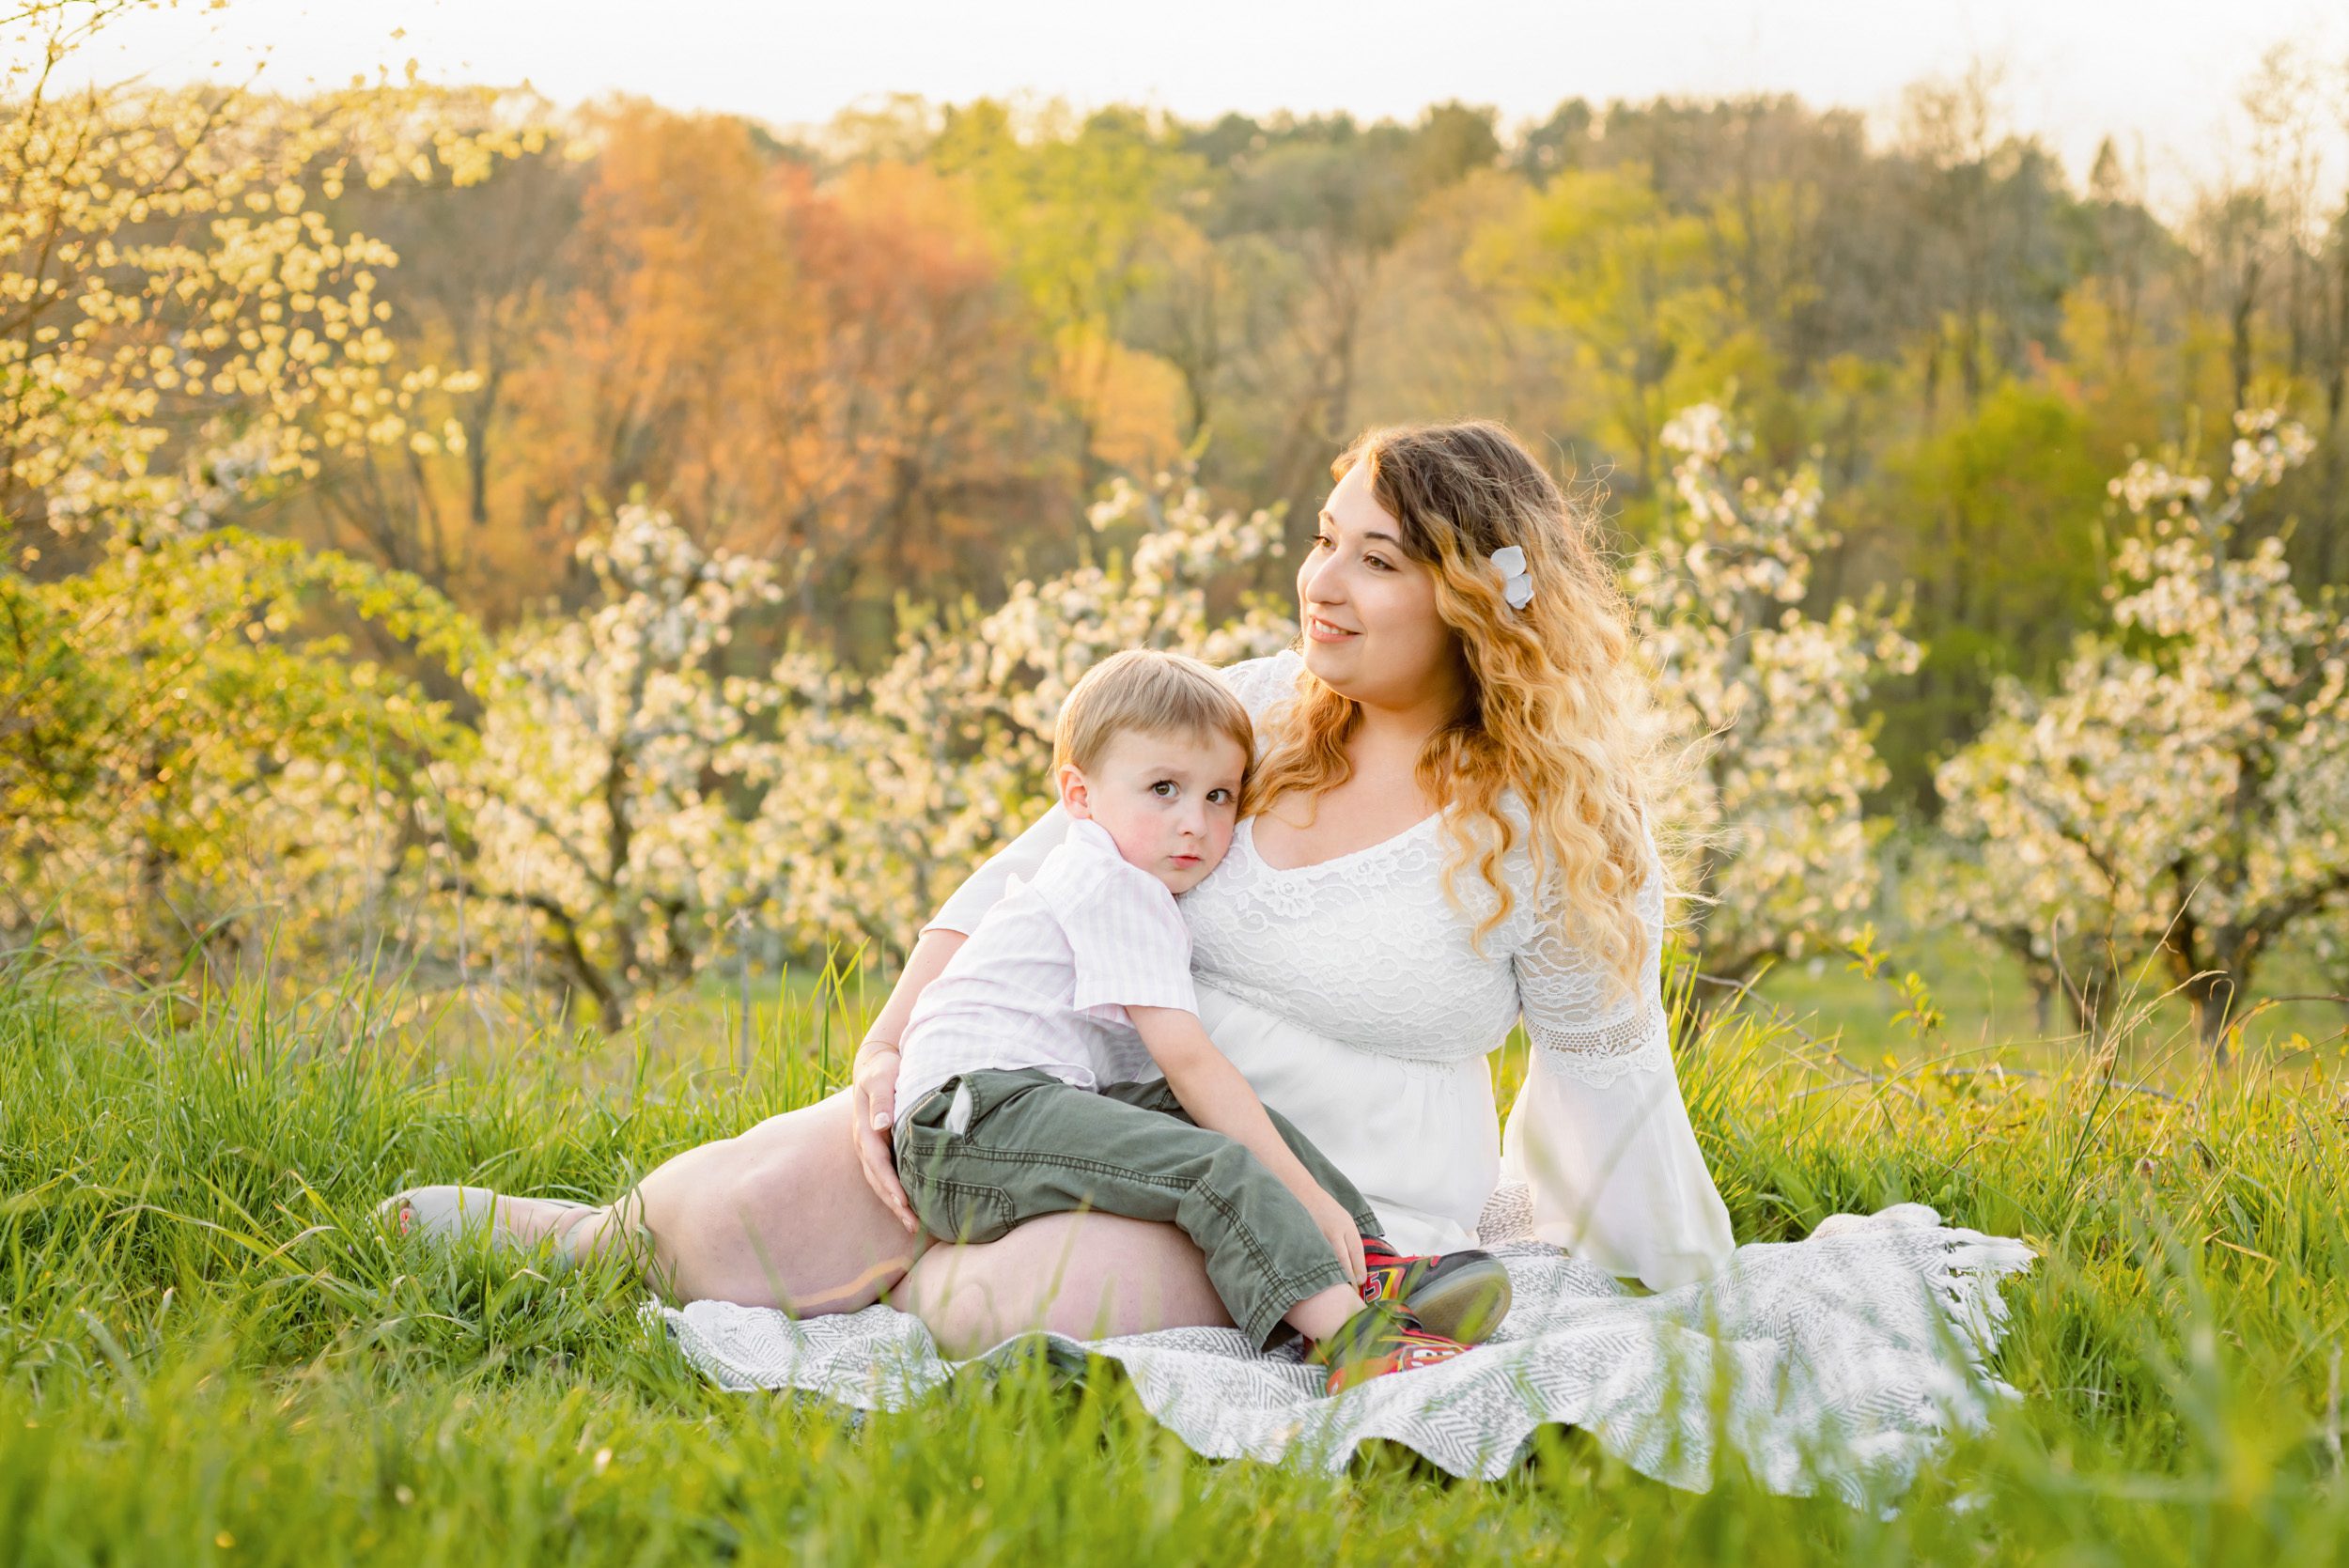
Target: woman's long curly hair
x,y
1559,709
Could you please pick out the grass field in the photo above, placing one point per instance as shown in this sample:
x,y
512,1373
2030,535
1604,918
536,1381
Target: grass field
x,y
208,1352
1987,1001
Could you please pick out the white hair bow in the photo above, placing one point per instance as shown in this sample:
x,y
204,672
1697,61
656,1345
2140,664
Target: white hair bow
x,y
1517,583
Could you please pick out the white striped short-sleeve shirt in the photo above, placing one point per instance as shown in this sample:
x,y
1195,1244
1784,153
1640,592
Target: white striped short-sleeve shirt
x,y
1046,978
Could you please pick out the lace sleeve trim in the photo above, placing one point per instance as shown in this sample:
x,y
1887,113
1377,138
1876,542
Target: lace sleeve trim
x,y
1572,1011
1638,1042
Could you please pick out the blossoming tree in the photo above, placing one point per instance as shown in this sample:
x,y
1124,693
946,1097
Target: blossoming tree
x,y
592,821
2185,789
883,793
632,814
1785,858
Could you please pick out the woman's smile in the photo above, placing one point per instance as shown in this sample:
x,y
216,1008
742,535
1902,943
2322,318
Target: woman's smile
x,y
1324,631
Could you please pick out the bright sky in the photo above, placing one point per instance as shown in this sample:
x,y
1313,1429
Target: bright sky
x,y
2164,75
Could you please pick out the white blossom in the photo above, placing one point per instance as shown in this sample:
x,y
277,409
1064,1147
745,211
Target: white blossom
x,y
882,792
595,828
1790,861
2185,789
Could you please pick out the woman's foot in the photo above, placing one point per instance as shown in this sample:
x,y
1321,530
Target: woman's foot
x,y
1460,1295
1381,1339
513,1224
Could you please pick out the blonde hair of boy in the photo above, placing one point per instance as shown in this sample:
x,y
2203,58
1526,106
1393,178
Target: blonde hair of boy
x,y
1155,692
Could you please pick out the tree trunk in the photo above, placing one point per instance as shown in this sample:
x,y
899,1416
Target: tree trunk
x,y
2213,968
2211,994
2239,346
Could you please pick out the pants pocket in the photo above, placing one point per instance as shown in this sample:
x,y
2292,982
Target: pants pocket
x,y
931,1113
955,1210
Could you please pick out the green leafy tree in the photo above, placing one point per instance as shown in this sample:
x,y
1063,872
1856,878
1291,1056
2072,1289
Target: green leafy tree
x,y
1636,288
1995,522
191,767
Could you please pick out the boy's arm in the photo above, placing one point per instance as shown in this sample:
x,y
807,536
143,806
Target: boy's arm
x,y
1217,1097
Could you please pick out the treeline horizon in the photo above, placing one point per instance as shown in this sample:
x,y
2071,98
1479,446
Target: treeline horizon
x,y
900,354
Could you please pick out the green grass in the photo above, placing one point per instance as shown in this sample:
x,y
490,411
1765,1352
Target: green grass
x,y
208,1352
1987,1000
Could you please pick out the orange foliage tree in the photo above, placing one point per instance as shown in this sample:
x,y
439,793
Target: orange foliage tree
x,y
834,374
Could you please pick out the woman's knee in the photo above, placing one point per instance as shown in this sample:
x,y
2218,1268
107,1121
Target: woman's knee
x,y
778,1215
1086,1275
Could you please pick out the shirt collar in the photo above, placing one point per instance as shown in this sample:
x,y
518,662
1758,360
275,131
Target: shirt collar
x,y
1088,837
1083,830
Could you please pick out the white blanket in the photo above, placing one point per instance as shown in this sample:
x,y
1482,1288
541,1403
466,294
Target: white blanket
x,y
1842,1360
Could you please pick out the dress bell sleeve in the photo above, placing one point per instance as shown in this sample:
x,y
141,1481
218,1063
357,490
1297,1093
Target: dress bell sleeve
x,y
993,879
1599,1133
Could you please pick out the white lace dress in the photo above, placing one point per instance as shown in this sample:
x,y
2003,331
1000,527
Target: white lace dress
x,y
1351,994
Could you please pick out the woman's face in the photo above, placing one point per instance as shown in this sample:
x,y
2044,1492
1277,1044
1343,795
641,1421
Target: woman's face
x,y
1369,609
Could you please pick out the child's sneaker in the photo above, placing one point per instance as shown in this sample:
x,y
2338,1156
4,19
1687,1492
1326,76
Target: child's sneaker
x,y
1381,1339
1462,1295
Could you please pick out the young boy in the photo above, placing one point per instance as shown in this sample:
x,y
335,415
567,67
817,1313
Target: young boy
x,y
1028,1080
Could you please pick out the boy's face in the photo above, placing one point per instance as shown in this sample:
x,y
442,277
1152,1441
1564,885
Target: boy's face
x,y
1170,801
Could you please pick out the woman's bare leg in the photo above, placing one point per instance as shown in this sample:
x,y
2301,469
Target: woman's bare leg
x,y
777,1216
780,1216
1086,1275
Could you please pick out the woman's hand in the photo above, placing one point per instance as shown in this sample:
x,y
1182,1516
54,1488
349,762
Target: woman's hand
x,y
873,1080
872,1109
1337,1227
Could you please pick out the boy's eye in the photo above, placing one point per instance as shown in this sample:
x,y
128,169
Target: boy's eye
x,y
1165,789
1220,797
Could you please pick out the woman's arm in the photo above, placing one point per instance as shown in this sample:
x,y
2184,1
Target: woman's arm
x,y
872,1079
1600,1132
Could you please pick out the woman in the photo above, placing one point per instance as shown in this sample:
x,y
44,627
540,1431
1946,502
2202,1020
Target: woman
x,y
1458,763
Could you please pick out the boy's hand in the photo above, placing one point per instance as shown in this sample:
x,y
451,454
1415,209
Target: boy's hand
x,y
1337,1226
1216,1096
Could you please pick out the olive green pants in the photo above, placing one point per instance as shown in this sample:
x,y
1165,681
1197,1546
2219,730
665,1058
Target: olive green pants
x,y
992,1149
